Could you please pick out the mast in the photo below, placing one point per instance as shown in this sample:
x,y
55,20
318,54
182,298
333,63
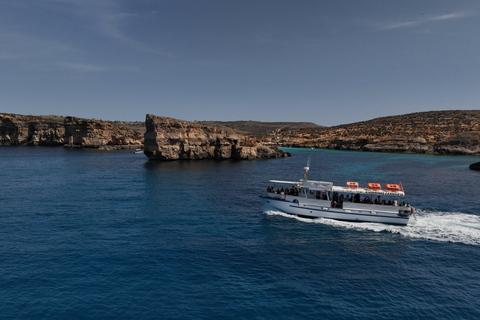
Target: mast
x,y
305,173
305,169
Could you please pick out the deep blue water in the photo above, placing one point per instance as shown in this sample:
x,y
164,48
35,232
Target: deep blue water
x,y
108,235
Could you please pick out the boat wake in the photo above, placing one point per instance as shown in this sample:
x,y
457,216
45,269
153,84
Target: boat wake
x,y
452,227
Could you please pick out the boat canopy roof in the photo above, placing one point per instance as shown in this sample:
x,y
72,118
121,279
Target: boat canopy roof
x,y
379,192
286,182
328,186
317,185
310,184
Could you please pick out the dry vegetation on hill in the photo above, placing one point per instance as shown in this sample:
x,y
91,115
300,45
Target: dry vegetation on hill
x,y
260,128
446,132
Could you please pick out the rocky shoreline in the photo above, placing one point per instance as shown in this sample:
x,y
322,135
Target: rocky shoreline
x,y
161,138
437,132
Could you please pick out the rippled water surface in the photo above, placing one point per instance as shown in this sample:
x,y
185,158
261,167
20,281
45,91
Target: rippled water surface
x,y
108,235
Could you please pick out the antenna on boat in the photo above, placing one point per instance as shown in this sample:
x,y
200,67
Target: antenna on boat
x,y
305,169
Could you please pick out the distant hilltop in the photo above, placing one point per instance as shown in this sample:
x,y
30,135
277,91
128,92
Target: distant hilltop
x,y
260,128
434,132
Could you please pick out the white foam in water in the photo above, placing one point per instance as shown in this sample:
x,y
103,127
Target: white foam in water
x,y
436,226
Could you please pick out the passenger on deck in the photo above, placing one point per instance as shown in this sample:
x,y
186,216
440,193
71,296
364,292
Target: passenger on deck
x,y
335,196
356,198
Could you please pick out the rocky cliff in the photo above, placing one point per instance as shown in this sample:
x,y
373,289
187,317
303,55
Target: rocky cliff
x,y
94,134
70,131
31,130
435,132
172,139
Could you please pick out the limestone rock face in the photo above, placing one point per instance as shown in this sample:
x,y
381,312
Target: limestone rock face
x,y
32,131
467,143
93,134
399,143
172,139
60,131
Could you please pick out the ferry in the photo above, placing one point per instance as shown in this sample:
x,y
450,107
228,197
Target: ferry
x,y
319,199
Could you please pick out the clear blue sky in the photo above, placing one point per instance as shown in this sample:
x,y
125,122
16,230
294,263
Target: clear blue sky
x,y
328,62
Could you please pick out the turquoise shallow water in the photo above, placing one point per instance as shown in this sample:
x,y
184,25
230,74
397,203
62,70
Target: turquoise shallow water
x,y
107,235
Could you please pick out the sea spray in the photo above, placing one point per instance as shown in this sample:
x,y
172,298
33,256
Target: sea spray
x,y
455,227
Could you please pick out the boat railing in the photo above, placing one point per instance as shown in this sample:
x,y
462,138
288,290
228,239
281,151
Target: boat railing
x,y
275,195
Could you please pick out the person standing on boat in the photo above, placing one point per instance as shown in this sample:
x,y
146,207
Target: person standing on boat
x,y
356,198
335,196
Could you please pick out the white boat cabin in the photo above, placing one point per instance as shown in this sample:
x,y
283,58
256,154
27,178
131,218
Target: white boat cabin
x,y
338,195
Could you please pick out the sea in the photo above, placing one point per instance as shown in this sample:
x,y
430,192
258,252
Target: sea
x,y
89,234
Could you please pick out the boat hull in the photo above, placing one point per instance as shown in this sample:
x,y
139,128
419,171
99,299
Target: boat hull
x,y
321,209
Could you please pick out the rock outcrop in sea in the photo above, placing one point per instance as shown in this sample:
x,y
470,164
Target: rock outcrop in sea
x,y
475,166
172,139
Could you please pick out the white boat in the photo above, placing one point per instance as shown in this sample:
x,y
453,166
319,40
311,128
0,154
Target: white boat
x,y
320,199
